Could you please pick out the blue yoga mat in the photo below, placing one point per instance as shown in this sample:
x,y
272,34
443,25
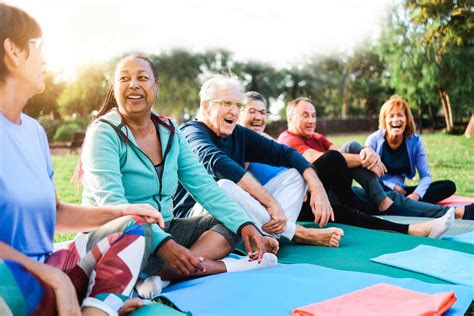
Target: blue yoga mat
x,y
467,238
449,265
276,291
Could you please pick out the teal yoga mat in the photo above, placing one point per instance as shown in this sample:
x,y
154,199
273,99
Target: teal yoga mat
x,y
359,245
154,308
445,264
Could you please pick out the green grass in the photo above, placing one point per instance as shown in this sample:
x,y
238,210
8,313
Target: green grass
x,y
67,191
64,167
450,157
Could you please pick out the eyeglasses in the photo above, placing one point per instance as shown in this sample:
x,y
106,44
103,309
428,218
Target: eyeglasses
x,y
38,43
253,111
227,103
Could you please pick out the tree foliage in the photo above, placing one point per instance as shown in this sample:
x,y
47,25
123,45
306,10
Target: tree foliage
x,y
425,54
87,92
46,103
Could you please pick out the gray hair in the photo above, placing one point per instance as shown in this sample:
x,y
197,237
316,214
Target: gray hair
x,y
215,83
255,96
212,85
291,107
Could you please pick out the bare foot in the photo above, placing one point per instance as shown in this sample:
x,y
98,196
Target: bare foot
x,y
271,244
435,228
329,237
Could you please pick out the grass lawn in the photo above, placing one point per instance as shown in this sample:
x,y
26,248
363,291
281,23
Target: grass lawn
x,y
450,157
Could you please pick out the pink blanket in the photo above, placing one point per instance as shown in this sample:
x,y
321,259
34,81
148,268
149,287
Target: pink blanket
x,y
456,200
381,299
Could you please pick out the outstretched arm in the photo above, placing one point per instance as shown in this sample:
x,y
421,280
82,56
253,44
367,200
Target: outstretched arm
x,y
76,218
319,201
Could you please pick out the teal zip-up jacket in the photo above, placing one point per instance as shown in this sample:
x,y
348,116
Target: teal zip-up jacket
x,y
116,171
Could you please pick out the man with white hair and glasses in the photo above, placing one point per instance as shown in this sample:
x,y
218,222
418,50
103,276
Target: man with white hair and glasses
x,y
224,147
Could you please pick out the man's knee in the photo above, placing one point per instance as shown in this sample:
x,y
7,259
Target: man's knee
x,y
450,187
226,185
232,239
332,158
296,177
351,147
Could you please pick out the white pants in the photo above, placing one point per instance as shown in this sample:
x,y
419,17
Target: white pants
x,y
288,188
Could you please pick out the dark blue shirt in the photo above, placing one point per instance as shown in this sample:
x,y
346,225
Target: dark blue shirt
x,y
224,158
396,160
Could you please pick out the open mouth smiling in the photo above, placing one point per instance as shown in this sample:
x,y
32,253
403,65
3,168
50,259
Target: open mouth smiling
x,y
134,96
256,123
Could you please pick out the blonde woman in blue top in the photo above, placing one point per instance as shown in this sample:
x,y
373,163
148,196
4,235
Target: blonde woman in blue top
x,y
403,153
132,155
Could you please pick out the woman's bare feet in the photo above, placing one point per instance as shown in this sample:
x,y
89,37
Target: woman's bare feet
x,y
329,237
435,228
271,245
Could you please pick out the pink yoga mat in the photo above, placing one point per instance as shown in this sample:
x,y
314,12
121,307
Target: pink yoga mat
x,y
381,299
456,200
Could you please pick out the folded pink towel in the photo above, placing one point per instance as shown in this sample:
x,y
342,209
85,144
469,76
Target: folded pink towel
x,y
456,200
381,299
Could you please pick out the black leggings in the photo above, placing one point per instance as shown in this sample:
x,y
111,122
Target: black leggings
x,y
336,177
437,191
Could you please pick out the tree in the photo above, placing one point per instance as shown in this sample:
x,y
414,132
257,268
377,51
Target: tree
x,y
328,83
445,26
179,84
367,81
46,103
87,92
411,73
262,78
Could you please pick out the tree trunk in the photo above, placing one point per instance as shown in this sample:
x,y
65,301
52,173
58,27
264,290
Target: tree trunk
x,y
420,118
470,128
443,95
344,107
343,89
432,117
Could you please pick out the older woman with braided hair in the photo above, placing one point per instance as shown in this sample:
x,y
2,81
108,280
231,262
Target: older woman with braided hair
x,y
132,155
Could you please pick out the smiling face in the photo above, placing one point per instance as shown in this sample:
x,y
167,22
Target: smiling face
x,y
303,119
254,116
135,87
221,112
396,121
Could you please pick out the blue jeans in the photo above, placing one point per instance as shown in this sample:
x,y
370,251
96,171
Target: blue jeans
x,y
375,191
408,207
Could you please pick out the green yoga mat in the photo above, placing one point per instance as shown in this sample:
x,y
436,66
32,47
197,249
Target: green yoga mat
x,y
359,245
155,308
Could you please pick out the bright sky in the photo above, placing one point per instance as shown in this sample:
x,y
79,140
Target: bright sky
x,y
279,32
